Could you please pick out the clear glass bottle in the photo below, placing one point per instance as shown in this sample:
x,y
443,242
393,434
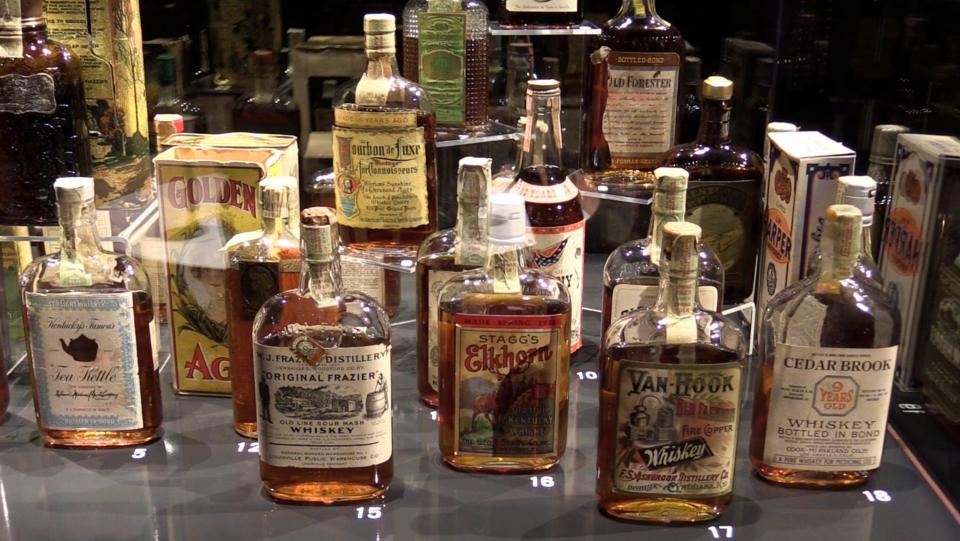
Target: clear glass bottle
x,y
43,115
267,110
631,275
441,257
557,222
632,104
323,380
541,12
384,147
88,316
882,154
446,51
670,400
726,180
264,264
169,102
828,351
504,357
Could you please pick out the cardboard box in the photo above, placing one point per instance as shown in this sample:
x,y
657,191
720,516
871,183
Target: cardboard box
x,y
800,183
207,196
924,198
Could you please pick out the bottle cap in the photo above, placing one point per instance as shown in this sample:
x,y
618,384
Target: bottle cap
x,y
542,86
670,190
379,29
859,191
841,234
274,194
166,69
262,57
681,243
165,124
717,88
318,233
884,143
774,127
74,190
508,220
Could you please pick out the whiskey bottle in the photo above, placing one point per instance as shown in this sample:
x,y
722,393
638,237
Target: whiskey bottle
x,y
384,148
726,181
632,89
88,317
557,222
445,50
259,268
322,375
504,356
441,257
882,153
165,125
670,400
42,116
631,275
169,102
541,12
828,349
267,110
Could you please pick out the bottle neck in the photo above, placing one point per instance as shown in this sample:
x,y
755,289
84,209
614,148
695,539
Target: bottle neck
x,y
504,265
655,233
866,240
639,9
678,293
78,230
263,85
167,94
382,64
543,140
32,17
840,250
715,122
273,226
321,279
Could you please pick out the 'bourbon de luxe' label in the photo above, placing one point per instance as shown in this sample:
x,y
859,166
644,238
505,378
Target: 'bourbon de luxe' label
x,y
828,408
676,429
629,297
84,353
639,121
443,50
380,160
559,252
323,409
507,372
435,281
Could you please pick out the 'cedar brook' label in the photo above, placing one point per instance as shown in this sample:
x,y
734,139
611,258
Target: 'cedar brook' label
x,y
558,251
676,429
84,353
443,50
828,408
380,161
507,372
323,409
639,121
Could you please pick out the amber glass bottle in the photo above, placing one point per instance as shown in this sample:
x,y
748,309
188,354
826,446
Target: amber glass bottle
x,y
632,97
43,132
723,197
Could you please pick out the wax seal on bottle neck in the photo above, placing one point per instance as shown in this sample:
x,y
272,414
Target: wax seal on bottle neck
x,y
717,88
508,220
274,194
318,232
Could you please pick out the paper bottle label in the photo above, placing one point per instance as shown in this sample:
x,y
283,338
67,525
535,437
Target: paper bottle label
x,y
559,252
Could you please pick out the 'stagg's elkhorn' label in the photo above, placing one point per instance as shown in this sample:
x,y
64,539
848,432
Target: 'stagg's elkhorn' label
x,y
507,372
828,408
323,409
676,429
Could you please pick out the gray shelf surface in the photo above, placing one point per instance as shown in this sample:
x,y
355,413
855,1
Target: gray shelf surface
x,y
200,481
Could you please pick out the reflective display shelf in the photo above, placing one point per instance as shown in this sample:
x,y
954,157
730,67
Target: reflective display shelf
x,y
200,481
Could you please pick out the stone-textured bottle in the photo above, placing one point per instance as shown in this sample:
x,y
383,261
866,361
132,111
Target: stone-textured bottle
x,y
322,379
828,350
726,180
88,316
670,400
42,116
504,356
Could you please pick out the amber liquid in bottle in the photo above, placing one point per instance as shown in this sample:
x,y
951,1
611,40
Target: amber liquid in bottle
x,y
43,132
498,305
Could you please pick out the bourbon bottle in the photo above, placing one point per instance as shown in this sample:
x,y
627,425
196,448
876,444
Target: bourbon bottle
x,y
266,110
632,96
441,257
42,116
828,350
723,198
322,380
384,148
670,400
557,222
504,357
88,319
262,266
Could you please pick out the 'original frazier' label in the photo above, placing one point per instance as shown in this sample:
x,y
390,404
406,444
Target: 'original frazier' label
x,y
559,252
506,376
639,121
676,429
828,408
323,409
381,177
83,350
443,52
